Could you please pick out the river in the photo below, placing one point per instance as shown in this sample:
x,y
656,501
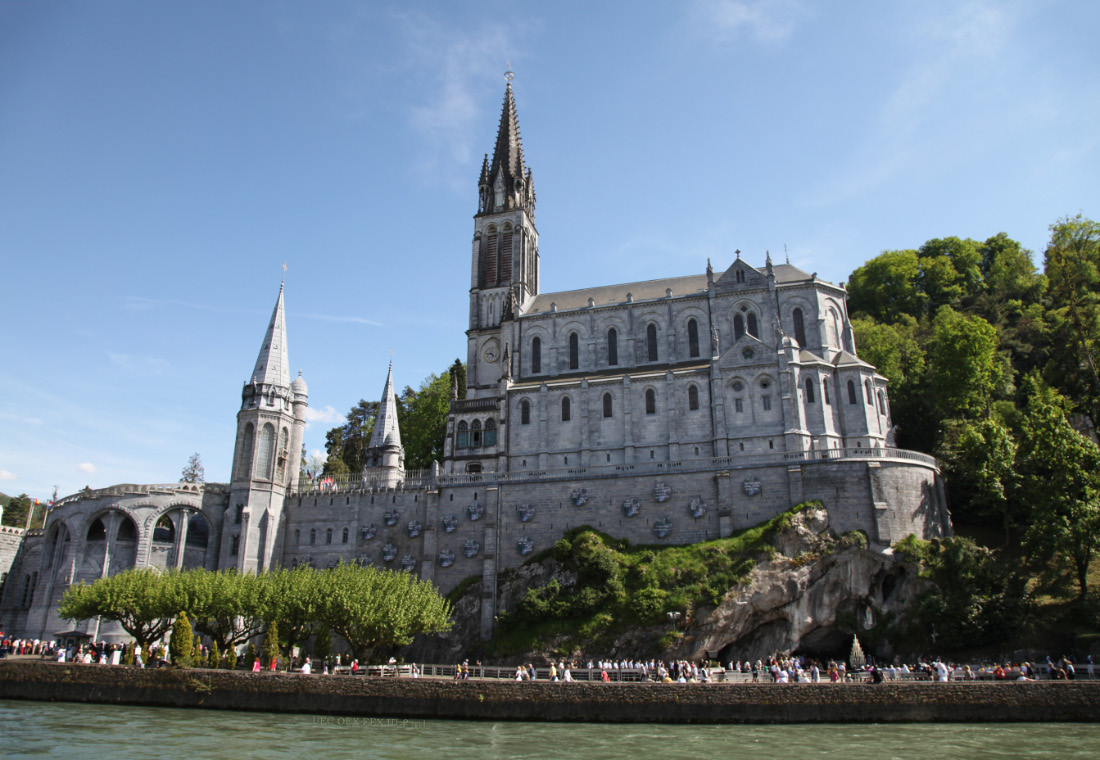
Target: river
x,y
108,732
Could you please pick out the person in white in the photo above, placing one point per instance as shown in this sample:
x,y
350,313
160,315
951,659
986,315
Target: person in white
x,y
306,668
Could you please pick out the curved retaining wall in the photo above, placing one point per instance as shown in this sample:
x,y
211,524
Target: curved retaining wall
x,y
580,702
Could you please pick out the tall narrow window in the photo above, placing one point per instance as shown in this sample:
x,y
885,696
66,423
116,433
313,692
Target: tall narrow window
x,y
282,454
462,439
693,397
651,342
738,327
312,536
266,450
740,277
650,401
536,355
344,536
739,405
754,329
490,432
693,338
767,403
881,403
809,390
328,536
834,329
870,396
799,327
505,267
574,351
491,247
235,545
475,433
825,391
525,412
245,470
565,409
297,537
852,393
607,410
612,347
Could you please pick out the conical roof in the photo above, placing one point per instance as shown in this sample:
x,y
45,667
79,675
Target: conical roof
x,y
386,431
508,153
272,365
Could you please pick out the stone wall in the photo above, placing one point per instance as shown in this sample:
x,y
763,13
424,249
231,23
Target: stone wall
x,y
1077,701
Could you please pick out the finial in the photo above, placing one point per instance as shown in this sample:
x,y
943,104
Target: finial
x,y
281,284
785,253
768,257
509,75
738,252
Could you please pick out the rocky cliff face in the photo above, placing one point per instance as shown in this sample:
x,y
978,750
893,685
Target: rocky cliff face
x,y
809,595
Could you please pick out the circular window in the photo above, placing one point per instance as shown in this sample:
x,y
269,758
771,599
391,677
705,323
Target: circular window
x,y
748,353
764,383
738,386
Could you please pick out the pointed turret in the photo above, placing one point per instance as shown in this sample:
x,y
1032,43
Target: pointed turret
x,y
386,434
272,365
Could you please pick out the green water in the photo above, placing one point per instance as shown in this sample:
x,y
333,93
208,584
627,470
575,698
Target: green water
x,y
104,732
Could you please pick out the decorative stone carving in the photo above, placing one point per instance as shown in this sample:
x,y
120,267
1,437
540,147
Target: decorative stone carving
x,y
662,492
524,545
697,507
470,548
525,512
662,528
414,528
446,558
449,523
631,507
579,497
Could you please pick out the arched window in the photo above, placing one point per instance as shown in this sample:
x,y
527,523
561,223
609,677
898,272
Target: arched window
x,y
870,395
266,451
612,347
525,412
198,531
97,531
825,391
693,338
650,401
834,329
165,531
852,393
297,536
344,536
607,410
565,410
475,433
574,351
651,342
809,390
312,536
799,327
328,536
536,355
738,327
881,403
462,439
754,329
283,453
245,466
740,277
693,397
127,531
490,432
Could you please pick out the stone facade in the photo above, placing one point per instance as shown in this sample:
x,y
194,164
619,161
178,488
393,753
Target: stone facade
x,y
661,412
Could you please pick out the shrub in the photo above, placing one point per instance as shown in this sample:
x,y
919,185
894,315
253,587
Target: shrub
x,y
271,645
250,656
181,645
231,658
215,656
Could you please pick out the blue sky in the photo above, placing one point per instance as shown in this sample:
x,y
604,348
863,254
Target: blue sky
x,y
160,161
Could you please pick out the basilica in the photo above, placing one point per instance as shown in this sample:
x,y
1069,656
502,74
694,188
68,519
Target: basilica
x,y
665,411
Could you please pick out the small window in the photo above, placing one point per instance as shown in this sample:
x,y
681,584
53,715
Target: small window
x,y
693,338
738,327
739,405
239,514
525,412
825,391
651,342
870,395
574,351
565,409
881,403
297,537
650,401
693,397
462,439
490,433
475,433
852,399
612,347
607,409
754,329
536,355
809,390
740,275
328,536
235,546
767,403
799,327
344,536
312,536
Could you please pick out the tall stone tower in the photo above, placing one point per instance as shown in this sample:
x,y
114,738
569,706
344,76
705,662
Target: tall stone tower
x,y
505,261
385,454
270,425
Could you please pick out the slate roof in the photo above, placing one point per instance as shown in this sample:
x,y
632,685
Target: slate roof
x,y
615,294
386,432
272,365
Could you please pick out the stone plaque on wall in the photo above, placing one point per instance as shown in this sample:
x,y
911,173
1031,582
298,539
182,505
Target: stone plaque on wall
x,y
408,563
368,532
391,517
697,507
662,492
470,548
446,558
579,497
414,528
525,512
449,523
631,507
475,511
662,528
752,487
389,552
524,545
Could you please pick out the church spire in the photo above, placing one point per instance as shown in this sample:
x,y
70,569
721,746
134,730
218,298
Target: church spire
x,y
505,180
386,432
272,365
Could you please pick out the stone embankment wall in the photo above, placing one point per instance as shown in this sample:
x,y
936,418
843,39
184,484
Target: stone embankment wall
x,y
583,702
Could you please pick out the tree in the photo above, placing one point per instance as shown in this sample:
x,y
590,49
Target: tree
x,y
143,601
983,469
964,366
373,608
228,606
215,656
1060,470
1072,263
887,287
181,644
270,652
193,472
347,445
231,658
422,415
17,510
250,656
457,377
322,642
294,602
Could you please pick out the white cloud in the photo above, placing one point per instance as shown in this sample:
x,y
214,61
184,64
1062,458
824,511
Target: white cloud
x,y
320,456
762,20
5,475
326,415
87,467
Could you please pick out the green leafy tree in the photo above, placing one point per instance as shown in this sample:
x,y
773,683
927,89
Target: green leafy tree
x,y
457,376
322,642
228,606
982,470
294,602
17,510
964,364
347,445
1060,470
128,655
270,652
422,415
250,656
1072,263
231,658
373,608
143,601
181,644
215,656
888,286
